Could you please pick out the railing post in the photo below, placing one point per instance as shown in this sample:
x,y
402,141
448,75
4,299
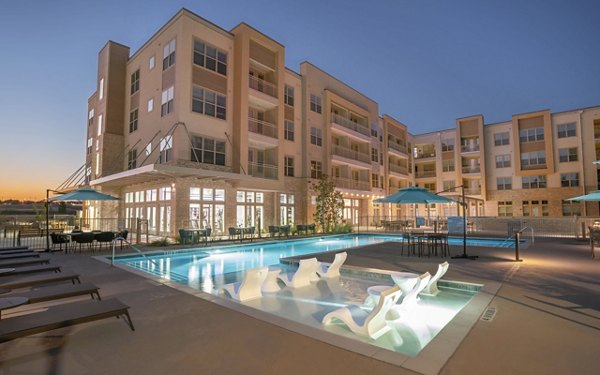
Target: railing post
x,y
517,245
138,233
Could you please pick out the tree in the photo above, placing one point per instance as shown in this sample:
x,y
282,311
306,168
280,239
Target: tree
x,y
328,211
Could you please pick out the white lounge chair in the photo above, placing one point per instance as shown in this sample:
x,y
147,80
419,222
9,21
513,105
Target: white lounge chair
x,y
333,269
410,299
307,272
431,287
250,287
362,323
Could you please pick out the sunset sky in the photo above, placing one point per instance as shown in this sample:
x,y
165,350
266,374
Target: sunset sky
x,y
425,62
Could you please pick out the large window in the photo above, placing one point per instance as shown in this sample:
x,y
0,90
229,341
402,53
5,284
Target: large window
x,y
135,82
99,127
169,54
448,165
535,158
316,169
288,131
533,182
132,159
133,120
209,102
210,57
288,166
208,151
90,143
101,89
207,209
374,155
288,97
504,183
502,161
250,209
316,136
566,155
501,139
286,209
166,149
531,135
535,208
566,130
570,208
447,144
91,117
315,103
449,184
569,179
167,101
505,208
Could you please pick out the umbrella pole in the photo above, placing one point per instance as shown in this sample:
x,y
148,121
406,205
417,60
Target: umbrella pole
x,y
464,254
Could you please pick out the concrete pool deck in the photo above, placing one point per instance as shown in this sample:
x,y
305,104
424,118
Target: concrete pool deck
x,y
547,321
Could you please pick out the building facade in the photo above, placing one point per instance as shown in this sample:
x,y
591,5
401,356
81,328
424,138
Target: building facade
x,y
207,127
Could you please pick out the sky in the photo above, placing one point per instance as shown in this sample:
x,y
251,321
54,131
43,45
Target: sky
x,y
426,62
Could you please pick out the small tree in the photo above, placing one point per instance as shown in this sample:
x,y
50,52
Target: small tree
x,y
328,211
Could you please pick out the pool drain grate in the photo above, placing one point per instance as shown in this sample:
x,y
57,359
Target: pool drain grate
x,y
489,314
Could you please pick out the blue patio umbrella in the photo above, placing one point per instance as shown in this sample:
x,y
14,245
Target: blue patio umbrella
x,y
414,194
83,194
594,196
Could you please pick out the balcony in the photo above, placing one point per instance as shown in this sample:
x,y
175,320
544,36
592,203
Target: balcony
x,y
263,86
425,174
469,148
348,153
262,127
472,191
347,183
396,147
398,169
262,170
471,169
364,133
425,154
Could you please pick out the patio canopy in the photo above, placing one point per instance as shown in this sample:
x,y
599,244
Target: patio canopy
x,y
414,195
83,194
594,196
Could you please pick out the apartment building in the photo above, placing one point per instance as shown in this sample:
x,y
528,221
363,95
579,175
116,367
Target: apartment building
x,y
203,126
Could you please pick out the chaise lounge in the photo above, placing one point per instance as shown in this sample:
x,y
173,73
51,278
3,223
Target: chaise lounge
x,y
50,293
31,269
307,272
22,282
332,270
250,287
431,288
12,263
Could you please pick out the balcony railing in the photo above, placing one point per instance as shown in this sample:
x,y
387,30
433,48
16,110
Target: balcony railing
x,y
347,183
262,170
471,169
398,168
351,154
397,147
262,127
469,148
425,154
350,124
424,174
263,86
473,191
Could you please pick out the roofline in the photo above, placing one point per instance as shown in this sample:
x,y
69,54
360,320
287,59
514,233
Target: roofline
x,y
290,70
577,109
432,132
465,117
254,29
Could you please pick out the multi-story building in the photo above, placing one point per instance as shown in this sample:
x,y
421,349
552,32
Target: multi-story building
x,y
205,126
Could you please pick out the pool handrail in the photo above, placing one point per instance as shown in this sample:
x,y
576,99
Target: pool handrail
x,y
120,238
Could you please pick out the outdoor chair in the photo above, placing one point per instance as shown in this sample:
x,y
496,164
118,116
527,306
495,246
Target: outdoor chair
x,y
363,323
59,239
431,287
186,236
61,316
307,272
273,230
104,238
250,287
84,238
332,270
410,299
122,235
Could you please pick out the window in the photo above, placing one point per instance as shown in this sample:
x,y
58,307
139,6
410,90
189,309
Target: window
x,y
166,148
135,82
505,208
570,208
91,117
374,155
90,143
566,155
209,102
97,145
449,184
100,117
316,136
448,144
101,89
533,182
288,166
164,193
151,195
151,63
502,161
288,131
448,165
288,95
210,57
131,159
535,158
535,208
501,139
286,209
167,101
316,169
315,103
430,186
504,183
169,54
374,180
565,131
150,105
569,179
208,151
531,135
133,120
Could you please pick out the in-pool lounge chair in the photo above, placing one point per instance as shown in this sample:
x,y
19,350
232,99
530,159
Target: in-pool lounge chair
x,y
22,282
11,263
431,287
62,316
307,272
50,293
29,270
333,269
250,287
410,299
363,323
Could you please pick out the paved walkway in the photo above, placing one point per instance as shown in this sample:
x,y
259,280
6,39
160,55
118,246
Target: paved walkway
x,y
547,322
